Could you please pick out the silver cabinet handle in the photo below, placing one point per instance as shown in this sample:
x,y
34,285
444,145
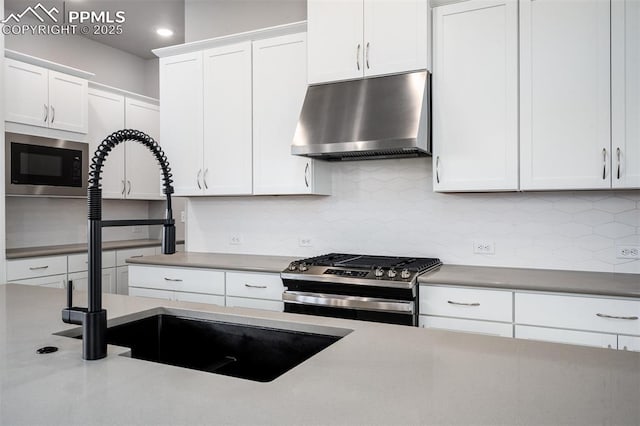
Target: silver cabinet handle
x,y
129,190
358,57
136,256
438,169
37,268
198,179
46,113
204,179
306,172
367,49
615,317
176,280
124,187
604,163
255,286
451,302
53,114
618,160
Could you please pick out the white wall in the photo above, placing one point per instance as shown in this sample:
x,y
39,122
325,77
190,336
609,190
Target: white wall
x,y
33,222
388,207
111,66
3,275
207,19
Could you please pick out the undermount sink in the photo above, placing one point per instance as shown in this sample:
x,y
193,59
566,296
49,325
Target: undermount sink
x,y
259,350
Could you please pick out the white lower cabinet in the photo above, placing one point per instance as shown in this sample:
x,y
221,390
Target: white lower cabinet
x,y
629,343
150,292
584,338
243,302
34,267
80,280
255,290
480,304
55,281
122,280
466,325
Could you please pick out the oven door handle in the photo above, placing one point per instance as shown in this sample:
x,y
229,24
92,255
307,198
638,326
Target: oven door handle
x,y
349,302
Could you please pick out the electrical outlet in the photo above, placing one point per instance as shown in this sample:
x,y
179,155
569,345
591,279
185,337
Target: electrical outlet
x,y
183,216
235,240
305,242
628,252
136,229
484,247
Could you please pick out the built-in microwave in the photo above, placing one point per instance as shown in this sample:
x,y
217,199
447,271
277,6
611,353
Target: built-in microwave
x,y
45,166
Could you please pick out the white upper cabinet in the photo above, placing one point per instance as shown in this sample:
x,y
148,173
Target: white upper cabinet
x,y
354,38
181,119
475,108
142,170
41,97
625,86
227,120
106,115
279,87
565,140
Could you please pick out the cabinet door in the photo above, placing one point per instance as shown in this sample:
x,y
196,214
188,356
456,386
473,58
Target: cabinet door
x,y
629,343
122,280
68,103
565,94
53,281
566,336
482,154
181,119
106,115
336,50
81,280
227,120
26,97
279,87
396,36
625,86
142,170
154,294
467,326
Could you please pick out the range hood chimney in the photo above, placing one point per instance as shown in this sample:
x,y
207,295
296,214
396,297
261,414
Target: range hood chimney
x,y
379,117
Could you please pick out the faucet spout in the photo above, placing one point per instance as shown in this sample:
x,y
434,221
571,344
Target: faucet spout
x,y
94,318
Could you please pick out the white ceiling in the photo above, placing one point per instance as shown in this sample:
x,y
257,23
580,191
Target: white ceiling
x,y
142,18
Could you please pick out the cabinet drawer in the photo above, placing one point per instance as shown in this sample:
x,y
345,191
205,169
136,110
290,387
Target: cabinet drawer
x,y
572,337
212,299
267,305
36,267
578,312
254,285
492,305
54,281
468,326
179,279
79,262
123,255
149,292
629,343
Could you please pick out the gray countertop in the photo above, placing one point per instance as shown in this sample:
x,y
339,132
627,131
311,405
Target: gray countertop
x,y
57,250
238,262
377,374
598,283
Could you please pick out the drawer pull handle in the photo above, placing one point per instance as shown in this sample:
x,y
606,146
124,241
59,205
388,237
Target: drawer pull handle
x,y
137,255
451,302
176,280
615,317
255,286
37,268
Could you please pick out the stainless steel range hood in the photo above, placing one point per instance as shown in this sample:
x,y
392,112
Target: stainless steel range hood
x,y
380,117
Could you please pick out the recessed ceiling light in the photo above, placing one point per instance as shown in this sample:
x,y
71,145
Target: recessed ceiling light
x,y
164,32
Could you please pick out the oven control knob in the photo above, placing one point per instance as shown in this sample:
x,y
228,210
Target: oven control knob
x,y
392,273
405,274
303,267
293,266
378,272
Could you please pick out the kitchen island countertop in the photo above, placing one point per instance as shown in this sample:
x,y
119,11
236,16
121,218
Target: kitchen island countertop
x,y
377,374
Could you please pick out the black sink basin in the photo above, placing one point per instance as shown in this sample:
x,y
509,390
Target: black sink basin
x,y
239,350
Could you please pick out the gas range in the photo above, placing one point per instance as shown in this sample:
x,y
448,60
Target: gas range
x,y
355,286
356,269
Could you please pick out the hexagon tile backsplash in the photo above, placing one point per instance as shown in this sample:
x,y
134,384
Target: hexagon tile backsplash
x,y
389,207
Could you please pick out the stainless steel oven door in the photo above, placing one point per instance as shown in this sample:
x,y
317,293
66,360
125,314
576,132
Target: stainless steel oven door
x,y
351,307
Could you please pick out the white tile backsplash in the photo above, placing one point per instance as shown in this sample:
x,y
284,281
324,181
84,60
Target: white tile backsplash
x,y
389,207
